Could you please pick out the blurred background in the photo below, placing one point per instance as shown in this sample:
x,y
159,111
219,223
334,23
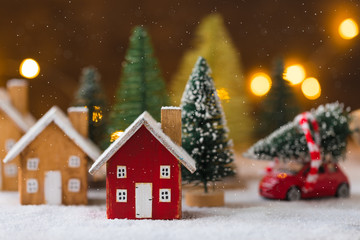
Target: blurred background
x,y
65,36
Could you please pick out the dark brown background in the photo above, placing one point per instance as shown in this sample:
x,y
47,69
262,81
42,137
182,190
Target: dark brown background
x,y
65,36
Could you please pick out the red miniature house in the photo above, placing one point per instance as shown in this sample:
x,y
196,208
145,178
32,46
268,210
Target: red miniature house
x,y
143,176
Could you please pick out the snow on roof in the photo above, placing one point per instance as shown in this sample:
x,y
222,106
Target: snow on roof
x,y
154,128
16,82
24,123
77,109
60,119
171,107
4,96
29,119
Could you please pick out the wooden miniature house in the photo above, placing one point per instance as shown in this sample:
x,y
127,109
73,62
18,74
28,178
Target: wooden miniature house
x,y
15,120
53,159
143,177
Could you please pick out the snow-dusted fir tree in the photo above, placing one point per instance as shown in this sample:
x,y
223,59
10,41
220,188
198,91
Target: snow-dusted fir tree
x,y
141,86
213,41
204,131
289,143
91,95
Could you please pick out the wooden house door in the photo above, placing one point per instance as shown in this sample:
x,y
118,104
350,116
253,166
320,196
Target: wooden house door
x,y
52,188
143,200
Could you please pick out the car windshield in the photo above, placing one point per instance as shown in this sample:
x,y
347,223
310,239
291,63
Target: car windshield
x,y
290,167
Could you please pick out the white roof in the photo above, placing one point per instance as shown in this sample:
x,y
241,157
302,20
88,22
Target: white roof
x,y
171,108
56,116
24,123
4,96
78,109
154,128
17,82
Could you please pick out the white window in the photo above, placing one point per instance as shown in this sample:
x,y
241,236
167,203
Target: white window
x,y
32,164
9,143
164,171
165,195
121,195
32,185
10,170
121,171
74,185
74,161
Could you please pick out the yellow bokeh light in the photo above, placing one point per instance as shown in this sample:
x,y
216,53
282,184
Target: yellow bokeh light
x,y
223,94
260,84
97,114
29,68
115,135
348,29
311,88
294,74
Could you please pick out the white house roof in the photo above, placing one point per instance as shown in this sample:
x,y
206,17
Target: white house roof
x,y
146,120
56,116
23,122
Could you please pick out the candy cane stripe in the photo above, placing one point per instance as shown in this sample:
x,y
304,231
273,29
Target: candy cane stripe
x,y
313,143
312,179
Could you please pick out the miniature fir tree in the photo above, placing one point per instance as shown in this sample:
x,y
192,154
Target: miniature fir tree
x,y
205,135
280,105
91,95
213,42
141,85
289,142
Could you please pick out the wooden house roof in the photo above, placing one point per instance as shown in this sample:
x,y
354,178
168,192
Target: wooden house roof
x,y
154,128
54,115
23,122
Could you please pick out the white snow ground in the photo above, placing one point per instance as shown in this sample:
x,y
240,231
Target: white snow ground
x,y
245,216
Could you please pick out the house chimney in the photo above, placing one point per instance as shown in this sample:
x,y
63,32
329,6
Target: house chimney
x,y
79,119
18,92
171,123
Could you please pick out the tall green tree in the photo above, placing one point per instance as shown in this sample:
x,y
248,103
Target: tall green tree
x,y
289,142
280,104
141,86
204,131
91,95
213,41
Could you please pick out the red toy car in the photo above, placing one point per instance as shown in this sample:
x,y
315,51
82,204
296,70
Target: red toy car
x,y
287,183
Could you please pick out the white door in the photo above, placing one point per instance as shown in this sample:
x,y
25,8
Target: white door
x,y
52,187
143,200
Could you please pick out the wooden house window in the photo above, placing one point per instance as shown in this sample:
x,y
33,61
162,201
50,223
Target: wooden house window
x,y
9,143
74,185
74,161
32,185
32,164
165,195
121,195
10,170
121,172
165,171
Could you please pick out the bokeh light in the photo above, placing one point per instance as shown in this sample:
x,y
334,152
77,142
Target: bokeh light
x,y
348,29
311,88
294,74
97,114
223,94
29,68
115,135
260,84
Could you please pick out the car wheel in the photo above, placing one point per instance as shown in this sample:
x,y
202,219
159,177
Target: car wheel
x,y
293,194
343,191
